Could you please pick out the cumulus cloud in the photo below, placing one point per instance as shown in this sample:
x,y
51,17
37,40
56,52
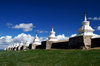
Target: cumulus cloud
x,y
73,35
43,39
40,31
90,18
23,37
8,40
5,41
62,37
98,28
25,27
94,18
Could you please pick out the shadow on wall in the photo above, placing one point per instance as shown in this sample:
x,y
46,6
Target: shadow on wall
x,y
43,46
30,46
76,42
95,42
38,47
60,45
76,46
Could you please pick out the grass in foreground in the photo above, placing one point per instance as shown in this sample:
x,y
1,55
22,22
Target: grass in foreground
x,y
57,57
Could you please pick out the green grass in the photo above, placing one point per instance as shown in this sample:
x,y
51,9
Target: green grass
x,y
56,57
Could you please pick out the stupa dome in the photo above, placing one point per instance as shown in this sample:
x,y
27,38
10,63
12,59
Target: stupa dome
x,y
36,40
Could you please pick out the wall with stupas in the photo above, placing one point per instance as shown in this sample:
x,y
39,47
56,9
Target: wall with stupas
x,y
84,40
62,44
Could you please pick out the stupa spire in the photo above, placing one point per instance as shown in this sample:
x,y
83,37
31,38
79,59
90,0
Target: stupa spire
x,y
36,34
52,28
85,19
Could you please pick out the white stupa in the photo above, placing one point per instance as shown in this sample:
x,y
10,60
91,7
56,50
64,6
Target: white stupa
x,y
27,43
9,46
52,36
86,29
36,40
14,45
17,44
21,43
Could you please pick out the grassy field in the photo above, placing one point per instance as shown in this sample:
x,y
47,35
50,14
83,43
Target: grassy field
x,y
54,57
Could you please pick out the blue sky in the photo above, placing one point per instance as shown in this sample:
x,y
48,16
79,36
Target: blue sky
x,y
66,16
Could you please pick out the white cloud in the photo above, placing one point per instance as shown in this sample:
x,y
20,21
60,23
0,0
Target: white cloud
x,y
23,37
7,40
41,31
62,37
98,28
43,39
73,35
25,27
94,18
90,18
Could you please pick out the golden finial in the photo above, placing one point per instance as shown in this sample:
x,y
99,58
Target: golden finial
x,y
84,13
